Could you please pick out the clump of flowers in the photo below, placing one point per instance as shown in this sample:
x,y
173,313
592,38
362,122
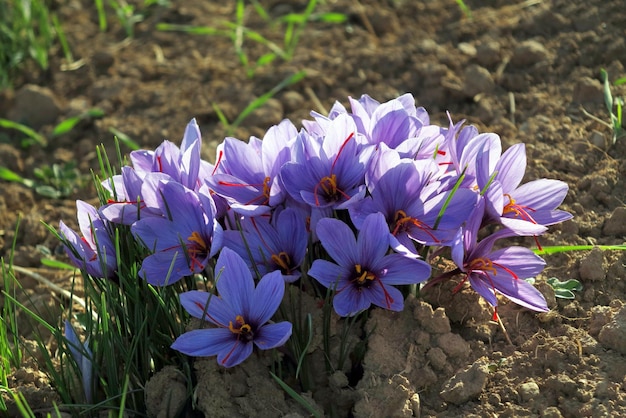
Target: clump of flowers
x,y
359,201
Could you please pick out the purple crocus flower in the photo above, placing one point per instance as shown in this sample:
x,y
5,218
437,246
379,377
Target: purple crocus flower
x,y
333,172
362,273
241,314
82,355
94,252
182,243
183,164
526,209
403,191
502,270
279,244
134,197
246,174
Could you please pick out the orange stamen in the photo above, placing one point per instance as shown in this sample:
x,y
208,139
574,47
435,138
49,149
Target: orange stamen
x,y
328,185
282,260
518,211
401,220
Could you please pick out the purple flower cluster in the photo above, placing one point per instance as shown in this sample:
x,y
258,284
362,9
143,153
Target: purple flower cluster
x,y
373,190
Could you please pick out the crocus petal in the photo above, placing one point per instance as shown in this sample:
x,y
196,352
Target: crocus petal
x,y
522,293
234,281
519,260
398,269
349,301
155,268
267,296
511,167
205,342
551,217
338,240
387,297
483,288
327,273
373,239
82,355
158,234
541,194
272,335
236,355
207,306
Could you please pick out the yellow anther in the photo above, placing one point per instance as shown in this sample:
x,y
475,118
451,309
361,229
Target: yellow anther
x,y
197,238
282,260
483,264
363,275
240,326
329,184
266,187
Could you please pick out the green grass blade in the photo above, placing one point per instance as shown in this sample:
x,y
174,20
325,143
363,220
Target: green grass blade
x,y
124,139
30,133
10,175
69,123
67,52
48,262
606,90
556,249
296,396
464,8
102,17
260,101
194,30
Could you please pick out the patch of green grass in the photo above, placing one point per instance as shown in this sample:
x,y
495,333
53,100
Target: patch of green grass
x,y
256,104
614,106
27,31
52,181
56,180
127,14
291,27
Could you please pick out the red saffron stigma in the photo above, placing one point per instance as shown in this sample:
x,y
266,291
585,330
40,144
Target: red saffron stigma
x,y
340,150
219,160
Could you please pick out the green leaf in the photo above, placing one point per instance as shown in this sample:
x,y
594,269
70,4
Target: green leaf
x,y
266,59
48,191
48,262
124,139
69,123
296,396
565,289
10,175
330,17
619,81
38,138
606,89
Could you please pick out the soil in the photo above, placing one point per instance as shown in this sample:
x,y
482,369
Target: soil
x,y
527,70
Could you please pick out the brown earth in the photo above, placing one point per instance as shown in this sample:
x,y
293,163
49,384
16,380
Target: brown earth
x,y
525,70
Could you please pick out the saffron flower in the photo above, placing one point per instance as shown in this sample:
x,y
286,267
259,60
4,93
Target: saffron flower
x,y
363,274
183,164
332,175
279,244
411,203
94,252
182,243
241,314
502,270
526,209
83,356
247,174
